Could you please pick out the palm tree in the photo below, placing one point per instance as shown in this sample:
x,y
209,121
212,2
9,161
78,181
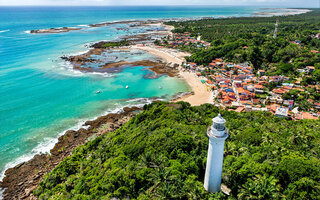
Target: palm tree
x,y
261,187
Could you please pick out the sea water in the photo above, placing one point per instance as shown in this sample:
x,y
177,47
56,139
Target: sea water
x,y
41,96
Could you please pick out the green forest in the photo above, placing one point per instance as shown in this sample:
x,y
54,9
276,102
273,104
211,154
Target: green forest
x,y
115,44
250,39
161,154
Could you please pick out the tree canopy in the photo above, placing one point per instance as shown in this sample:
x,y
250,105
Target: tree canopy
x,y
161,154
229,36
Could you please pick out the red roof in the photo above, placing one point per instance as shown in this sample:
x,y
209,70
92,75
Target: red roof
x,y
258,86
305,115
255,101
279,91
240,109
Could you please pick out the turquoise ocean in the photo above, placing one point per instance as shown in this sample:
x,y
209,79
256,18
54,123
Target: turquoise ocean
x,y
41,96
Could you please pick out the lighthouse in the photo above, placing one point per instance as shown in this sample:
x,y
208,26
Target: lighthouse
x,y
217,135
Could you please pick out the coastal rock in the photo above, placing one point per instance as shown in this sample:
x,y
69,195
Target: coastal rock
x,y
55,30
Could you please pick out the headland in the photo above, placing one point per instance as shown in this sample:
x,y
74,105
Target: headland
x,y
21,180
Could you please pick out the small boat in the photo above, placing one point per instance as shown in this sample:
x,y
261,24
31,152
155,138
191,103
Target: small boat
x,y
127,87
160,87
99,91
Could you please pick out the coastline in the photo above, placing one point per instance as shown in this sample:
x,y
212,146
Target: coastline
x,y
200,93
140,22
22,179
199,96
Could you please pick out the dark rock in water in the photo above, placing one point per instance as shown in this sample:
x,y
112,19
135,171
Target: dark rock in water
x,y
99,45
152,76
55,30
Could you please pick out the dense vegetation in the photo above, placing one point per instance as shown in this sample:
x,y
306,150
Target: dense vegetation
x,y
229,36
161,154
116,44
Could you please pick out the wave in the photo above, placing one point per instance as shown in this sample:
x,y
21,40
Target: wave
x,y
79,53
83,25
4,31
66,68
48,143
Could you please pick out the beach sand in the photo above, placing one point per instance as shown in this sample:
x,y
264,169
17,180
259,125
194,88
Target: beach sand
x,y
201,93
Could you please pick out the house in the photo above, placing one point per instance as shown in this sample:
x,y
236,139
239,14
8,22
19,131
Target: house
x,y
258,89
310,69
301,70
305,115
275,99
273,108
240,109
276,78
255,101
316,105
279,91
297,42
250,88
261,72
282,111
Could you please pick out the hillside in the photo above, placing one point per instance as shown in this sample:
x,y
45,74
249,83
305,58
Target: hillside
x,y
250,39
161,154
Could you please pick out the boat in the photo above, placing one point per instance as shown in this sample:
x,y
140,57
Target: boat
x,y
160,87
127,87
99,91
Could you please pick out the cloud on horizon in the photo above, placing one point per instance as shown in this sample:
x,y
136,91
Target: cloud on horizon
x,y
280,3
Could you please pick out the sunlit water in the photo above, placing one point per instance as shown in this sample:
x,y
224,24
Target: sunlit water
x,y
41,96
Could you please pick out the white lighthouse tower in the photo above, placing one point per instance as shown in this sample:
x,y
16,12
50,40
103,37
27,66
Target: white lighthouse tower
x,y
217,135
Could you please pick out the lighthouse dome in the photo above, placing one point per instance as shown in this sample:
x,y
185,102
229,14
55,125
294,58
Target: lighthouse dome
x,y
218,123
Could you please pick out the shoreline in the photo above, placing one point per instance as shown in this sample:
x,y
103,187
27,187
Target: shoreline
x,y
22,179
141,22
200,93
197,96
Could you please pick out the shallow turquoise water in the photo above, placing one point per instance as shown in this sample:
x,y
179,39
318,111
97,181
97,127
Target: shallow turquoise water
x,y
40,97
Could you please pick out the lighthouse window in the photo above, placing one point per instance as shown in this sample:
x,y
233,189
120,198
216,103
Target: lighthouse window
x,y
219,127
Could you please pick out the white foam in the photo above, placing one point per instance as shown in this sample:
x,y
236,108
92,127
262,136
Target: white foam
x,y
79,53
27,31
104,74
83,25
4,31
49,142
43,147
66,68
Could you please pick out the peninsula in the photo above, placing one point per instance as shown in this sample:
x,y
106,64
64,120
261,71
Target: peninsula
x,y
159,151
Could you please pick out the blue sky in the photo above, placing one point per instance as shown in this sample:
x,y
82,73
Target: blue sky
x,y
280,3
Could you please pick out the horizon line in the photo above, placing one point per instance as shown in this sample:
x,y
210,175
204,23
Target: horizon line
x,y
60,5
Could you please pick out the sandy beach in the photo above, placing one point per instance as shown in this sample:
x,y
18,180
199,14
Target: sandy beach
x,y
201,93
